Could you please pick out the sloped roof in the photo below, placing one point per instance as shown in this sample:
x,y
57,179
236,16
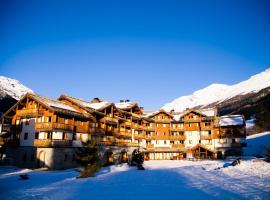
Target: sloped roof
x,y
84,104
231,120
51,104
152,114
211,112
126,105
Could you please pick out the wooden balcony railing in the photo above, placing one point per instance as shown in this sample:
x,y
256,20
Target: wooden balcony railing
x,y
178,145
177,129
52,143
49,126
128,123
139,136
163,121
206,137
114,143
82,129
150,146
149,128
177,137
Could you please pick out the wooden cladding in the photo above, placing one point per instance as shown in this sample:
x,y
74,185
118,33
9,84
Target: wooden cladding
x,y
52,143
49,126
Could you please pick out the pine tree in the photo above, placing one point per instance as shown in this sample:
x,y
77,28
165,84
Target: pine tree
x,y
138,159
87,157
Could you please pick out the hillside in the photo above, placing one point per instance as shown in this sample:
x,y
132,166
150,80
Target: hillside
x,y
10,92
250,98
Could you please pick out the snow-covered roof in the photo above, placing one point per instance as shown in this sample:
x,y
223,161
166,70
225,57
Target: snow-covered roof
x,y
151,114
211,112
99,106
231,120
55,103
96,106
125,105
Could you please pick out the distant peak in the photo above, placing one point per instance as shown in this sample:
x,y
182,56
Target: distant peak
x,y
12,87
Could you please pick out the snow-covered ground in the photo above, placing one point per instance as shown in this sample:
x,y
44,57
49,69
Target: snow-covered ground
x,y
160,180
257,144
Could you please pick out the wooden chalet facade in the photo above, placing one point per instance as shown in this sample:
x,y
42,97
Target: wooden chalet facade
x,y
42,132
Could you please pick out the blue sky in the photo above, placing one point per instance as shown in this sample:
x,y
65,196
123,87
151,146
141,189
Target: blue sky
x,y
146,51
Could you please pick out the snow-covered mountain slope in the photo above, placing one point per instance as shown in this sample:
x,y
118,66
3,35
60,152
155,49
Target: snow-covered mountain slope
x,y
12,88
218,93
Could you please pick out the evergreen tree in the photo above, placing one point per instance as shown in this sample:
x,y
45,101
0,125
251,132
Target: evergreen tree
x,y
137,159
87,157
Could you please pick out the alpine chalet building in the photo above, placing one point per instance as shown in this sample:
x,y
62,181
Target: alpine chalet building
x,y
42,132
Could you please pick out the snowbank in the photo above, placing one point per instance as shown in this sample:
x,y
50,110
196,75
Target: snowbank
x,y
257,144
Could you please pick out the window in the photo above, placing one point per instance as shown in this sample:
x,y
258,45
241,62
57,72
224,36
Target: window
x,y
207,123
25,136
49,135
164,125
36,135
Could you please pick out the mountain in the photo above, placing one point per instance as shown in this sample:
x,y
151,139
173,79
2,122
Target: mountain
x,y
250,97
10,92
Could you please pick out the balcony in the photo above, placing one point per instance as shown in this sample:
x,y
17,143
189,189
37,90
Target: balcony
x,y
119,143
178,146
165,121
82,129
128,123
177,137
177,129
32,112
52,143
109,120
139,136
206,137
49,126
149,128
149,146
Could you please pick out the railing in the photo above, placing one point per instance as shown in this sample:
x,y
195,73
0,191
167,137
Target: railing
x,y
113,143
150,146
163,121
139,136
178,145
52,143
177,128
110,119
128,123
51,126
149,128
206,137
193,120
82,129
177,137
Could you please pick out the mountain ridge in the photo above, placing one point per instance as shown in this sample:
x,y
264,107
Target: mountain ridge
x,y
215,93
